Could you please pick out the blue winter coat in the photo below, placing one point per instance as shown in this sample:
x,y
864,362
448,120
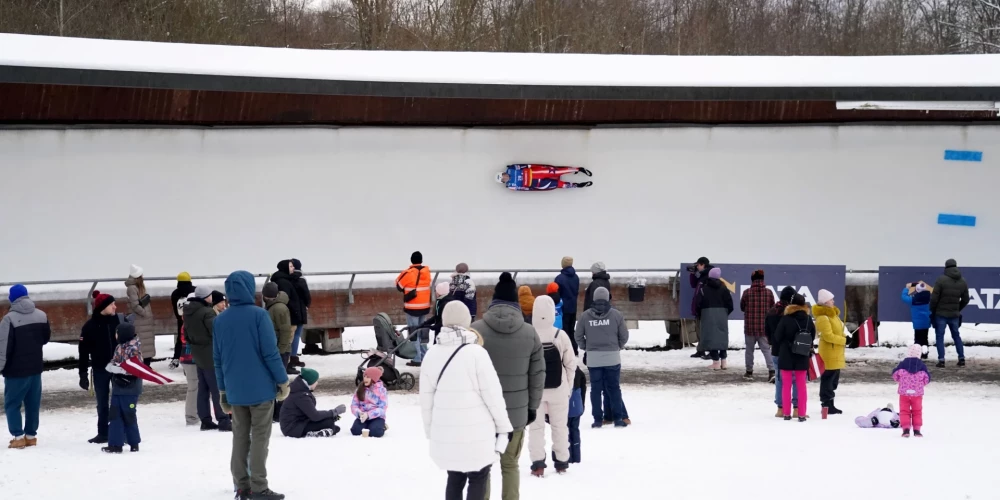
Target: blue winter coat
x,y
569,289
245,348
558,322
920,308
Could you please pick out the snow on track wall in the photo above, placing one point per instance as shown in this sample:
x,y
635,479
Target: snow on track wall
x,y
87,203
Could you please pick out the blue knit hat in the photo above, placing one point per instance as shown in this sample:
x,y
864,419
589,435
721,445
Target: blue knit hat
x,y
17,291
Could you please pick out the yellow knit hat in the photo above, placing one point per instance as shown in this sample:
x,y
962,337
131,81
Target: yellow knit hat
x,y
184,276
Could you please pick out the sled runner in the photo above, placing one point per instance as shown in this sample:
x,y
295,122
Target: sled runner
x,y
534,177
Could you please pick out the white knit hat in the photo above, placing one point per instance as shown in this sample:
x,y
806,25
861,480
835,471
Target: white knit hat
x,y
824,296
443,288
456,314
135,271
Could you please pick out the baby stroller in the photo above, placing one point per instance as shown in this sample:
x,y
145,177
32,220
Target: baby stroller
x,y
392,343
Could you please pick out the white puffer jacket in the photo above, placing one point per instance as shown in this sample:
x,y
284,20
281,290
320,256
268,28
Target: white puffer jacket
x,y
464,415
543,318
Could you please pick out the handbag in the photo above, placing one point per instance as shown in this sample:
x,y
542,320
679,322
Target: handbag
x,y
412,294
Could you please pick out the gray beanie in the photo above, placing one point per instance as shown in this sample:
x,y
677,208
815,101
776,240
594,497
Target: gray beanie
x,y
202,292
270,290
598,267
602,294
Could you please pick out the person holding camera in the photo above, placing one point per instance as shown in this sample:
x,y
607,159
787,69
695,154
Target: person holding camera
x,y
139,306
697,276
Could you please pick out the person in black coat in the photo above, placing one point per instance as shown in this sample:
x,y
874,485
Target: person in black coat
x,y
96,348
794,367
601,279
177,298
289,280
299,416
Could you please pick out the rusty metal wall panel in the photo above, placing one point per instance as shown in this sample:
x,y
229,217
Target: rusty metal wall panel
x,y
65,104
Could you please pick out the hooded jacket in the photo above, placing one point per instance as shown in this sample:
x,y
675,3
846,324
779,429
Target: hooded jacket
x,y
277,309
569,289
23,332
920,308
832,339
178,297
795,319
97,342
464,289
288,283
129,346
465,411
771,324
516,353
299,408
756,303
715,304
601,331
542,321
143,319
247,364
527,302
951,294
199,320
601,280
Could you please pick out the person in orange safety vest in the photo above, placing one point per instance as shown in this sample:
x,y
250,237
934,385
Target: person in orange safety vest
x,y
415,284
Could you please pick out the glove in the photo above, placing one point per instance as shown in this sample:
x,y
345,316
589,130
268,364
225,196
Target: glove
x,y
84,382
363,417
224,403
283,391
174,364
532,414
501,444
339,410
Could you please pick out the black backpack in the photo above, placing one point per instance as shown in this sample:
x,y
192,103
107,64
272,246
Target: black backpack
x,y
553,364
802,343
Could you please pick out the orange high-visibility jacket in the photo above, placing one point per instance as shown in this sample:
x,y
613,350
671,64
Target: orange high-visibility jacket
x,y
415,278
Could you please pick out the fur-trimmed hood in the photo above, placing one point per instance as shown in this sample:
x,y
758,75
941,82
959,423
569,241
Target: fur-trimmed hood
x,y
792,309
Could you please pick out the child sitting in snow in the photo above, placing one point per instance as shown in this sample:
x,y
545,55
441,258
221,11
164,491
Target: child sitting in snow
x,y
912,376
299,416
880,418
127,372
369,405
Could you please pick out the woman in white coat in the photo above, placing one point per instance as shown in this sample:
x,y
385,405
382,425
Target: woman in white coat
x,y
560,372
465,416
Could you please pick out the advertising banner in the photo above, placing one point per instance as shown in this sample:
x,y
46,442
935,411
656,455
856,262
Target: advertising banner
x,y
807,280
984,291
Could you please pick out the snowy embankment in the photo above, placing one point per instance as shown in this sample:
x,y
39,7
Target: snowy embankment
x,y
682,442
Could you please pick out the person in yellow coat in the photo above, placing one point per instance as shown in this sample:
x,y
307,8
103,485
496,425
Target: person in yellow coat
x,y
832,341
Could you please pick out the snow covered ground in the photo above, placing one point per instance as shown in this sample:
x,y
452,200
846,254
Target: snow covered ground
x,y
714,442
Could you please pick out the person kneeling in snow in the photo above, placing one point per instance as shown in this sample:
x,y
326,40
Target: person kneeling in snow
x,y
299,417
369,404
127,373
880,418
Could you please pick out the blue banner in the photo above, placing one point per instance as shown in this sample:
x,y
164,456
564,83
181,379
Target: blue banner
x,y
807,280
984,291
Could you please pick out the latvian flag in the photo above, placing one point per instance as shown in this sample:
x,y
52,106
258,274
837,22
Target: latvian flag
x,y
816,367
135,367
866,333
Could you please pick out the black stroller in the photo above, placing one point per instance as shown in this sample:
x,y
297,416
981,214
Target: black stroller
x,y
391,343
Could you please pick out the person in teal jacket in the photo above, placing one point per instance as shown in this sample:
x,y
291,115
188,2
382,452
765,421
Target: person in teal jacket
x,y
918,297
251,377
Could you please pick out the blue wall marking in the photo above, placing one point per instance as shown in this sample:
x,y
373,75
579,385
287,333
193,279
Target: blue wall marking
x,y
957,220
953,155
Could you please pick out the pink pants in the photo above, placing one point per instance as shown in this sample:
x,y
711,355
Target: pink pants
x,y
797,377
911,411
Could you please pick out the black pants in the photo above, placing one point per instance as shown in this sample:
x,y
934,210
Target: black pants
x,y
828,383
102,392
920,336
208,391
569,326
326,423
477,484
718,354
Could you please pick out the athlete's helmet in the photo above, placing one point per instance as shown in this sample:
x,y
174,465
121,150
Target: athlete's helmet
x,y
500,178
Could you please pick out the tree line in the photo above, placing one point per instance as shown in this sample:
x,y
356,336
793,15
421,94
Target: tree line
x,y
680,27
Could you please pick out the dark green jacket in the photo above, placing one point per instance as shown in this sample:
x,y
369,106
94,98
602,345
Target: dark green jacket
x,y
951,294
277,308
198,321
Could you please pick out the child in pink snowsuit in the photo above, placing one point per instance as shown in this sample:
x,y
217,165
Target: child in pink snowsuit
x,y
912,376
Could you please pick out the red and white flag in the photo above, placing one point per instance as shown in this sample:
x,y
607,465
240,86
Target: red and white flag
x,y
866,333
135,367
816,367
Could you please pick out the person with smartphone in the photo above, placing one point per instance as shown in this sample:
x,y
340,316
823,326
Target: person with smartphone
x,y
139,305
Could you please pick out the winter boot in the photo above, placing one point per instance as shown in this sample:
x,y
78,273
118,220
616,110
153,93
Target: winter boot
x,y
322,433
787,418
413,363
906,433
716,365
267,494
30,441
98,439
242,495
916,433
296,362
226,426
780,413
208,425
628,421
290,369
795,413
620,424
802,419
770,376
18,443
112,449
698,354
723,364
940,364
134,448
923,356
748,375
607,422
561,467
538,468
597,425
961,362
833,410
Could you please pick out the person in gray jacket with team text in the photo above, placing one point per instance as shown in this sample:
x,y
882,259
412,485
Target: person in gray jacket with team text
x,y
602,333
516,353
